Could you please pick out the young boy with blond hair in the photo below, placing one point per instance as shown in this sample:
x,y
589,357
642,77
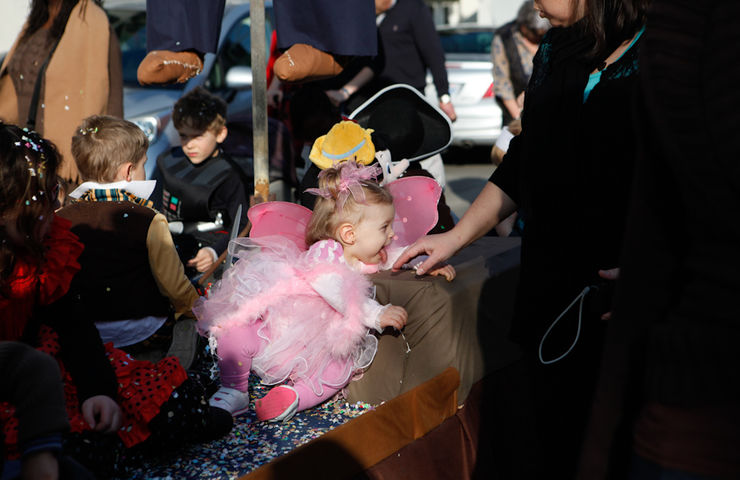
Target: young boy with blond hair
x,y
203,187
132,280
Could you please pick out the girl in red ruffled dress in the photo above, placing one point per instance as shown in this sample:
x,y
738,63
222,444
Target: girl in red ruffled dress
x,y
119,409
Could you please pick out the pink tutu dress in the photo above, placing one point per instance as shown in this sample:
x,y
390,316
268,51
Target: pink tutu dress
x,y
310,308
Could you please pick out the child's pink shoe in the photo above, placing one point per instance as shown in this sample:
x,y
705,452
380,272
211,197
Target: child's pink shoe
x,y
233,401
280,404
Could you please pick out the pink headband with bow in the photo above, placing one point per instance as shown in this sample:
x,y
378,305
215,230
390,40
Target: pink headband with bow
x,y
351,176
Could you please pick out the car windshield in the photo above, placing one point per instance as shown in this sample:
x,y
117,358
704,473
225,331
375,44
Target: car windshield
x,y
467,41
130,27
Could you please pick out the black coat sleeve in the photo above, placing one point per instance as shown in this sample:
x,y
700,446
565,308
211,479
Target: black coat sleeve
x,y
430,48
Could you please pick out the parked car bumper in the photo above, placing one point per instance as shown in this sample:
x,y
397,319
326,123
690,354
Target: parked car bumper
x,y
478,124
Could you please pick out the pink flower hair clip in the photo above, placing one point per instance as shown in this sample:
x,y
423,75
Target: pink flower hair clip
x,y
351,176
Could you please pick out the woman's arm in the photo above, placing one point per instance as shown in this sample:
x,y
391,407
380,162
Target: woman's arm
x,y
512,105
490,207
501,71
349,88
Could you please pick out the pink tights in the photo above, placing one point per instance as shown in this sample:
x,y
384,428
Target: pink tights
x,y
237,347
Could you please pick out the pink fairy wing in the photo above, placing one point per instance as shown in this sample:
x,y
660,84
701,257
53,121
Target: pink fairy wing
x,y
288,220
415,199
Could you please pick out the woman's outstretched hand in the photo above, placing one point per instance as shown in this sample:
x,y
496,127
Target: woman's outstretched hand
x,y
439,248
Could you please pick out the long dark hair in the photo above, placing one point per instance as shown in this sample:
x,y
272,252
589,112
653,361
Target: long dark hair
x,y
28,187
611,22
39,15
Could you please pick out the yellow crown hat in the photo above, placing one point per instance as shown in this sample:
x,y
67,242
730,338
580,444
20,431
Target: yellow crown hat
x,y
345,141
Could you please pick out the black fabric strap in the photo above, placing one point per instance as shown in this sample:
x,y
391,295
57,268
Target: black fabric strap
x,y
33,108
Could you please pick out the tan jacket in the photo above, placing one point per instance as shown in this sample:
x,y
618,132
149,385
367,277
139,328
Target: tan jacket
x,y
76,83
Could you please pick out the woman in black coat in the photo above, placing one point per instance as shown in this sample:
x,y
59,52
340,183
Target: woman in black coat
x,y
668,400
569,175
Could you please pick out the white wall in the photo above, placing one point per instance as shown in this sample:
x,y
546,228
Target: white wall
x,y
12,15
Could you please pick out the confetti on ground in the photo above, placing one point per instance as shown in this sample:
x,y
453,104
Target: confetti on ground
x,y
251,443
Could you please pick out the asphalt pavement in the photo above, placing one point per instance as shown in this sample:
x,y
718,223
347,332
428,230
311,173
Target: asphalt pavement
x,y
466,172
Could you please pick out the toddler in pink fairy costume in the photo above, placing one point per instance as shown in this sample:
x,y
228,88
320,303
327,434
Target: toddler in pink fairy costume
x,y
301,319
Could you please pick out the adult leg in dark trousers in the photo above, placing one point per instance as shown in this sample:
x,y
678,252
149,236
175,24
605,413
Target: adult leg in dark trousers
x,y
319,37
178,34
33,385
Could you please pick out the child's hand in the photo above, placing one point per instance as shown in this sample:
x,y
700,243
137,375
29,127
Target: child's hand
x,y
274,93
203,260
447,271
394,316
102,413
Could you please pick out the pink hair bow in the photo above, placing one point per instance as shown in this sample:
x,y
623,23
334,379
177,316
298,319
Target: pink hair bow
x,y
351,176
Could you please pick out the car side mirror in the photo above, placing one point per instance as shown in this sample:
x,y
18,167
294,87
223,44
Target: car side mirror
x,y
239,78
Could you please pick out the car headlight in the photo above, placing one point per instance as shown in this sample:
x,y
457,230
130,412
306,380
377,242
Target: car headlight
x,y
149,125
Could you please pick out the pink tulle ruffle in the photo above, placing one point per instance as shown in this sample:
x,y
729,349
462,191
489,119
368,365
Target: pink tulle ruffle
x,y
269,287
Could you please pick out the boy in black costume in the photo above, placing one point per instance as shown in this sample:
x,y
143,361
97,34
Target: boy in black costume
x,y
203,187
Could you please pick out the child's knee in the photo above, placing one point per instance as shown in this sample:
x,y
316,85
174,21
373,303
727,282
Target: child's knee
x,y
241,341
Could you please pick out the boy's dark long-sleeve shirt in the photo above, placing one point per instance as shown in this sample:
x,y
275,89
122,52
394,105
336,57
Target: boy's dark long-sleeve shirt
x,y
198,193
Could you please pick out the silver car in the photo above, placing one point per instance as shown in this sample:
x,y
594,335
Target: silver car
x,y
470,73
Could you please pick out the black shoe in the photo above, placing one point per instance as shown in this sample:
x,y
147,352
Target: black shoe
x,y
219,423
185,341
